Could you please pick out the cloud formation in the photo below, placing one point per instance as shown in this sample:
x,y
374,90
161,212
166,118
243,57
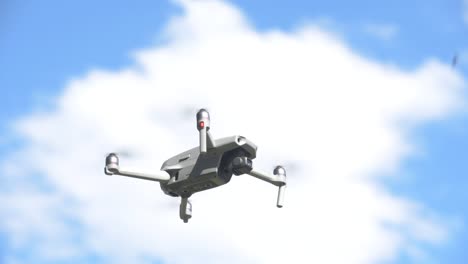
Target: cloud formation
x,y
304,97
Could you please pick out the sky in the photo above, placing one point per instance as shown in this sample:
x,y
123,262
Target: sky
x,y
359,101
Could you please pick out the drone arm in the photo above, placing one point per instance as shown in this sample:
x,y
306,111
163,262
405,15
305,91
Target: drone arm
x,y
209,140
113,168
203,140
206,140
278,179
162,176
203,126
273,179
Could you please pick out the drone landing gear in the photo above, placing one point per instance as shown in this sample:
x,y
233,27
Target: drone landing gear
x,y
185,210
243,165
278,179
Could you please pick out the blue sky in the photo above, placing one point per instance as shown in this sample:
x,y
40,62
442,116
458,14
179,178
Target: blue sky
x,y
38,37
45,44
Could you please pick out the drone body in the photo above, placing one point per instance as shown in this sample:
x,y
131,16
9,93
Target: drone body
x,y
210,165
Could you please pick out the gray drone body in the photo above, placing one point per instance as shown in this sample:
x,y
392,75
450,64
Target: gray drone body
x,y
191,172
208,166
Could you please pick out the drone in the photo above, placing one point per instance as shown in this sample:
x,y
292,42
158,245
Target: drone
x,y
205,167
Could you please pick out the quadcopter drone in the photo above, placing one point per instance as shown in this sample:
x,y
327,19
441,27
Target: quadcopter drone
x,y
208,166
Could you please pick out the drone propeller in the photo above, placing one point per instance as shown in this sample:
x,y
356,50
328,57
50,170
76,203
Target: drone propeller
x,y
120,154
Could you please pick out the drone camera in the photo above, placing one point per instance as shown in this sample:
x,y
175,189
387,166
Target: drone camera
x,y
241,165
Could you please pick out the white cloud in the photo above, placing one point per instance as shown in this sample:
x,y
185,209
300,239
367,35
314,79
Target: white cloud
x,y
381,31
303,97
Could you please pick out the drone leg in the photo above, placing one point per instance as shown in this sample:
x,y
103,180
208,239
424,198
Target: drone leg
x,y
279,201
278,179
280,173
185,210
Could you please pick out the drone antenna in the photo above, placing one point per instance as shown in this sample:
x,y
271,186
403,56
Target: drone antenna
x,y
203,126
